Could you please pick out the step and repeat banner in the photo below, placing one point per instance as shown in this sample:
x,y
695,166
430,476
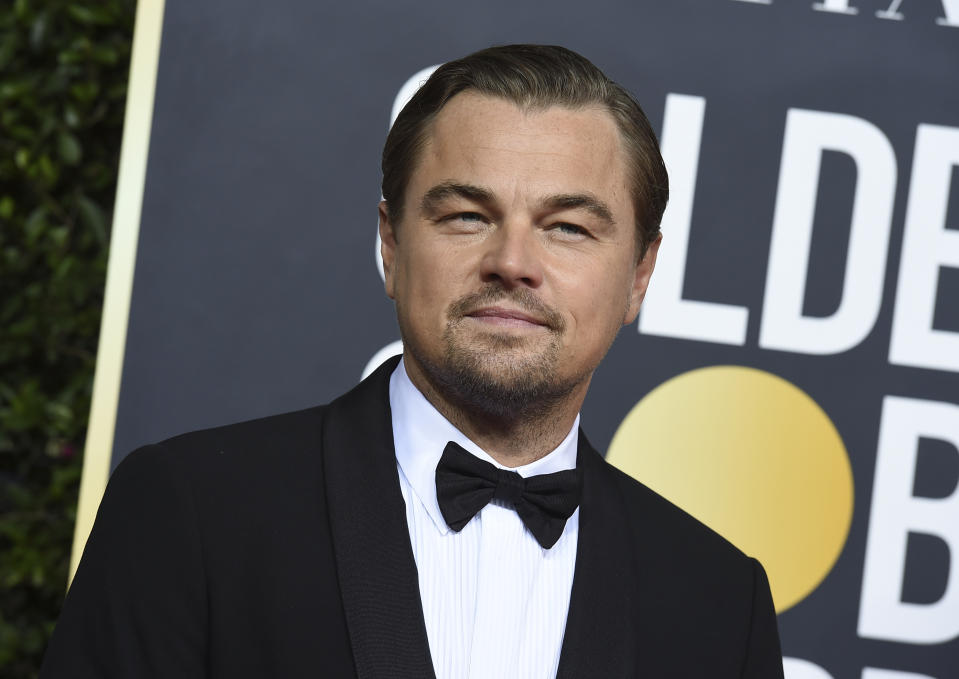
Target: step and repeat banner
x,y
793,379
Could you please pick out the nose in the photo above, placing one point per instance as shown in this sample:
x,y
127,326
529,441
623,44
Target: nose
x,y
512,257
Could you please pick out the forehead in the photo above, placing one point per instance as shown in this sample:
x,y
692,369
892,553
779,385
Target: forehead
x,y
521,152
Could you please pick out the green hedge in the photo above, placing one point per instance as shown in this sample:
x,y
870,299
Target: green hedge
x,y
63,74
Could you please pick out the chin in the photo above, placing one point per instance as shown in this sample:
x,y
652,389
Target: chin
x,y
500,380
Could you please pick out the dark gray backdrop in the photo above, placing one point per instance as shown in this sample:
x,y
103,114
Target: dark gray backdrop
x,y
256,290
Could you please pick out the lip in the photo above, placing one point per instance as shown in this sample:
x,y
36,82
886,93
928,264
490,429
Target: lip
x,y
505,317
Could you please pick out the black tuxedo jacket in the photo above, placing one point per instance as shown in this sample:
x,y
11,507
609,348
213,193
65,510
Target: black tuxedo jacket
x,y
279,548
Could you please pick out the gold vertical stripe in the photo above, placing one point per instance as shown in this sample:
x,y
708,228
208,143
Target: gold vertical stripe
x,y
119,285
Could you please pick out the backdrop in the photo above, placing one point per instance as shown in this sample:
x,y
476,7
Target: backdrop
x,y
792,379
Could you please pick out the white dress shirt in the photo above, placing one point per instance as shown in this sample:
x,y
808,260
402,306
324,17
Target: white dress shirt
x,y
494,601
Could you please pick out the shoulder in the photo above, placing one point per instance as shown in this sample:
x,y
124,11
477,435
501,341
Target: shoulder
x,y
695,584
286,431
268,464
281,438
681,541
262,458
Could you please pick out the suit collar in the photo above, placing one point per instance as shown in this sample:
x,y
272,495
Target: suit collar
x,y
374,559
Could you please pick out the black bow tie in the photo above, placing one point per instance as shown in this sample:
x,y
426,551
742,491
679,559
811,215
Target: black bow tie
x,y
465,484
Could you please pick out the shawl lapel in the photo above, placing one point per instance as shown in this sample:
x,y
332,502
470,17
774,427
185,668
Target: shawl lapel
x,y
600,638
371,542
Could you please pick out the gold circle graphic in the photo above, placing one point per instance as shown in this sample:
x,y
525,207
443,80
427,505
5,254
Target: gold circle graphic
x,y
753,457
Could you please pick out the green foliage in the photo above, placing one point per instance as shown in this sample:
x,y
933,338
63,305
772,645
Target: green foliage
x,y
63,73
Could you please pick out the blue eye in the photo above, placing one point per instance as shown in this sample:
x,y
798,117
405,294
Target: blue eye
x,y
465,222
571,229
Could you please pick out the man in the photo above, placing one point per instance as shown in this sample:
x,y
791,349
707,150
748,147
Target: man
x,y
445,518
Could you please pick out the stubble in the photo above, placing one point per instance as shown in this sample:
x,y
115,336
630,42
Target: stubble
x,y
499,375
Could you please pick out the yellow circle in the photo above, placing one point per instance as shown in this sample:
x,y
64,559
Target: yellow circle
x,y
753,457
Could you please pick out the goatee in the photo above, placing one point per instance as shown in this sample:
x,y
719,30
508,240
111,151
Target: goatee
x,y
499,375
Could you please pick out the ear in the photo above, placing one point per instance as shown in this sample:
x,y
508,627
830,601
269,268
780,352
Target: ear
x,y
387,249
644,269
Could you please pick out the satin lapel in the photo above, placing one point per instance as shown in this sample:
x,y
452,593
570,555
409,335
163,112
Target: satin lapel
x,y
374,559
600,639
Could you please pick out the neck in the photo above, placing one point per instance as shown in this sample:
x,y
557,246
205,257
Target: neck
x,y
512,440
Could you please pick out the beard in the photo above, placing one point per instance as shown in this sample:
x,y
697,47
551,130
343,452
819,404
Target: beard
x,y
497,374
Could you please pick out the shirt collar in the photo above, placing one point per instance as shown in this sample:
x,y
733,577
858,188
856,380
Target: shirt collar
x,y
420,434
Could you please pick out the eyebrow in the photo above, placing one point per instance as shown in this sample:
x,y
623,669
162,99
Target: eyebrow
x,y
484,196
445,190
581,201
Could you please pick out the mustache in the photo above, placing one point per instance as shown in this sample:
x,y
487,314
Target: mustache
x,y
524,298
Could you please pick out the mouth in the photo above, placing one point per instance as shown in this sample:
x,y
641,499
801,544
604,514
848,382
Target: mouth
x,y
500,310
506,318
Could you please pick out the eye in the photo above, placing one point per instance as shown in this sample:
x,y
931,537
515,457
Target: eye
x,y
464,222
468,217
567,229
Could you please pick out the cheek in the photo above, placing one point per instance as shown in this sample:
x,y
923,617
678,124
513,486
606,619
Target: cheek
x,y
601,305
425,283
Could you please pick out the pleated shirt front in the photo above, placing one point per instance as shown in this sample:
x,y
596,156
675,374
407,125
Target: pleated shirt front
x,y
495,602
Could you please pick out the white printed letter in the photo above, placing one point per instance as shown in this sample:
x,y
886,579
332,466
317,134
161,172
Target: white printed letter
x,y
808,134
950,7
927,246
796,668
873,673
835,6
896,513
665,312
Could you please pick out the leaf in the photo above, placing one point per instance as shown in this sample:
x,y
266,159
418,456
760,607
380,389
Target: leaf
x,y
7,206
13,89
22,133
8,116
70,116
38,31
105,54
93,218
8,47
86,91
84,15
63,477
35,224
92,13
47,169
63,270
69,148
59,235
70,56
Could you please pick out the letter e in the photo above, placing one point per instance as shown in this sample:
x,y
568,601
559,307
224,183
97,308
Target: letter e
x,y
927,245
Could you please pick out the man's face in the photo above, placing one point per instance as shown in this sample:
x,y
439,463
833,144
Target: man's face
x,y
515,261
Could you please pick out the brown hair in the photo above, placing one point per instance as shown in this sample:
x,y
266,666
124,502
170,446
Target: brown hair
x,y
531,76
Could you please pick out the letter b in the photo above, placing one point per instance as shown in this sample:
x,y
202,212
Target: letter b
x,y
895,513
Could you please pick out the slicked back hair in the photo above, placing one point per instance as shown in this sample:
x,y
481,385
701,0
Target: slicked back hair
x,y
534,77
